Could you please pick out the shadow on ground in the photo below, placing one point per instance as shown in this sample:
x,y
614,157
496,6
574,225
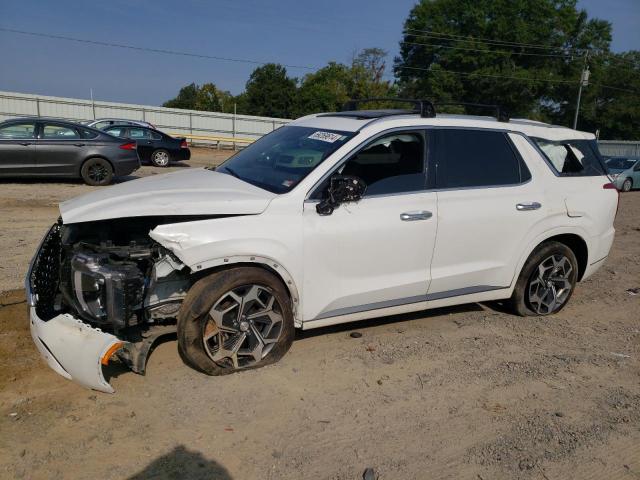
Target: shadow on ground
x,y
181,463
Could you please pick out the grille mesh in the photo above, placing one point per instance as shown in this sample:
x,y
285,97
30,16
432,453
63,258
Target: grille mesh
x,y
45,273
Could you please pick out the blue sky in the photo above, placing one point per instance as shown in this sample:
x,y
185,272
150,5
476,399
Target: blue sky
x,y
285,31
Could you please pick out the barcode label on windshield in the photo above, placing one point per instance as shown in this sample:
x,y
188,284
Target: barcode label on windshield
x,y
325,136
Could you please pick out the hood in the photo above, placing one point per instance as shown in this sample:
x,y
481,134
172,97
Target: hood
x,y
195,191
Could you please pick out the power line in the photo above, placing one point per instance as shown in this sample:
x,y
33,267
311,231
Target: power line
x,y
524,79
146,49
499,52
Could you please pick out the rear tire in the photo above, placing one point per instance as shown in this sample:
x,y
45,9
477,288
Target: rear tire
x,y
96,172
627,185
160,158
233,320
546,281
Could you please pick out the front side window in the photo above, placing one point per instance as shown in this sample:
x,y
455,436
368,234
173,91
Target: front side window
x,y
476,158
572,157
393,163
18,131
278,161
58,132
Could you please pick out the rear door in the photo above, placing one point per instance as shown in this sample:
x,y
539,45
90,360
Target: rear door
x,y
18,148
144,140
487,203
60,149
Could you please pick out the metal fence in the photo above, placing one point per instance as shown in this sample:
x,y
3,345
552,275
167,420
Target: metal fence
x,y
171,120
619,148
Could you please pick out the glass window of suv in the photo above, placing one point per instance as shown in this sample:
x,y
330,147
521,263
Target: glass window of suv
x,y
277,162
58,132
477,158
18,131
390,164
572,157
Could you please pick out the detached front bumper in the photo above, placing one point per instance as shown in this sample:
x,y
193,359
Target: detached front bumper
x,y
74,349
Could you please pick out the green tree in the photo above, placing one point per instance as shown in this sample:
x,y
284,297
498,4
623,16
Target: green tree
x,y
187,98
212,99
325,90
463,50
269,92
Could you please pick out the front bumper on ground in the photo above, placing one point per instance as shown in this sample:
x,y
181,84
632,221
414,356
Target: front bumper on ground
x,y
74,349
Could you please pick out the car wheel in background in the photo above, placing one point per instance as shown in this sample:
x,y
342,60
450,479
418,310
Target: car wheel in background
x,y
96,172
160,158
546,281
627,185
233,320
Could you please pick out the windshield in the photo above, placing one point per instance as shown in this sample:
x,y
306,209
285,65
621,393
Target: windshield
x,y
278,161
620,163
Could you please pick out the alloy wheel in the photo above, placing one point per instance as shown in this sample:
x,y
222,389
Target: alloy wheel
x,y
161,158
550,285
97,172
243,326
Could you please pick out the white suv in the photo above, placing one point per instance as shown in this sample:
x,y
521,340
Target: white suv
x,y
332,218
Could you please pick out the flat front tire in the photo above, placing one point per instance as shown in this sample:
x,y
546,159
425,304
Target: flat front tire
x,y
96,172
546,281
235,319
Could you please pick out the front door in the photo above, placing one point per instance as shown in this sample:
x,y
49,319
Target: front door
x,y
374,253
17,149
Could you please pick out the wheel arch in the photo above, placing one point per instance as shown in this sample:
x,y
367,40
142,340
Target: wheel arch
x,y
265,263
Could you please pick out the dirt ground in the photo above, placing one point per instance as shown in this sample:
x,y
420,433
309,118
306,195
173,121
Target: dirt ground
x,y
461,393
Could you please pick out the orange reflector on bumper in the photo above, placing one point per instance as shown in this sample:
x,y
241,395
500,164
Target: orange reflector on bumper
x,y
109,353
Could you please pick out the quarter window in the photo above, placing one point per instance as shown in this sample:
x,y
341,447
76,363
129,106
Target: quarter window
x,y
572,157
58,132
17,131
391,164
476,158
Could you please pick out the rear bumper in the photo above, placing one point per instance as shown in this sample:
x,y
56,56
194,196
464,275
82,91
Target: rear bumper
x,y
73,349
600,246
126,167
181,154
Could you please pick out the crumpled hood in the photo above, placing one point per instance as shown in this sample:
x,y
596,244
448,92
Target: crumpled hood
x,y
196,191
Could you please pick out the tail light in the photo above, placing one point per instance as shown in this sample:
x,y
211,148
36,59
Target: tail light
x,y
184,144
128,146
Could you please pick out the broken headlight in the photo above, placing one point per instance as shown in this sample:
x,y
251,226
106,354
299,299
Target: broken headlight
x,y
107,291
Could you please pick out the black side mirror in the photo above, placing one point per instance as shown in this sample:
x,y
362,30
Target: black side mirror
x,y
342,189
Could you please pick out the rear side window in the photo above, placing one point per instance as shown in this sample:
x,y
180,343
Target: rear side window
x,y
58,132
136,133
476,158
574,158
87,133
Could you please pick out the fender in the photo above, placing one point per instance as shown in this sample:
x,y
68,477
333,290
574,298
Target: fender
x,y
541,238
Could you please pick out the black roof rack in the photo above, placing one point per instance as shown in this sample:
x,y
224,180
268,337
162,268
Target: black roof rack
x,y
424,107
500,114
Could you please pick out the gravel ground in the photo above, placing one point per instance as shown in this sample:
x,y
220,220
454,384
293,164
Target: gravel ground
x,y
463,393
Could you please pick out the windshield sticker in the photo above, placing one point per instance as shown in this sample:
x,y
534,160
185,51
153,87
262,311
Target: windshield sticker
x,y
326,136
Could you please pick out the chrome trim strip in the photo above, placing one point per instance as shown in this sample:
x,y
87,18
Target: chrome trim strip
x,y
406,301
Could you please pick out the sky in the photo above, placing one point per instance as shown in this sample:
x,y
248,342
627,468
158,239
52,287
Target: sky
x,y
291,32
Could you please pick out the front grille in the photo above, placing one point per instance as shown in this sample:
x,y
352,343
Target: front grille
x,y
45,274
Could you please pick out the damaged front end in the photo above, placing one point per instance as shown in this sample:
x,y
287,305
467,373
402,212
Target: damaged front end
x,y
99,288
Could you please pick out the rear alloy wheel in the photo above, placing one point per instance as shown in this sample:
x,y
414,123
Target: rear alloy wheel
x,y
97,172
627,185
236,319
547,280
160,158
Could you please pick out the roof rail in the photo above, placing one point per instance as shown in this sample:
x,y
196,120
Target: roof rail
x,y
500,114
424,107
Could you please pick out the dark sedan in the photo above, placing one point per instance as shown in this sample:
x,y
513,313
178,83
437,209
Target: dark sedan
x,y
55,148
153,145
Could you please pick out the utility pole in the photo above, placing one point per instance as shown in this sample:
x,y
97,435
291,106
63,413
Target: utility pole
x,y
584,81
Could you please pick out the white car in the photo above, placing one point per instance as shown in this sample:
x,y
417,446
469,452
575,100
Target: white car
x,y
333,218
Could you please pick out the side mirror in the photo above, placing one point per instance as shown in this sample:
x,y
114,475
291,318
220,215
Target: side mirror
x,y
342,189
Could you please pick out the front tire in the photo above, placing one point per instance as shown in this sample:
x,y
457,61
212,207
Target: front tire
x,y
160,158
234,320
546,281
627,185
96,172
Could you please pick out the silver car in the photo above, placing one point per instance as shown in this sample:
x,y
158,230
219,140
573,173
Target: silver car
x,y
102,123
625,171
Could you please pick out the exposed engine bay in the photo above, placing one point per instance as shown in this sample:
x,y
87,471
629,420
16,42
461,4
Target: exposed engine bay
x,y
113,276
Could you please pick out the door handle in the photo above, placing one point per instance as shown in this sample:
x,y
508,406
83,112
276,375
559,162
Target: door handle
x,y
414,216
25,144
528,206
78,144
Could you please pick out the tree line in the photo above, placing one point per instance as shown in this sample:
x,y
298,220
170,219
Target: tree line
x,y
527,56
